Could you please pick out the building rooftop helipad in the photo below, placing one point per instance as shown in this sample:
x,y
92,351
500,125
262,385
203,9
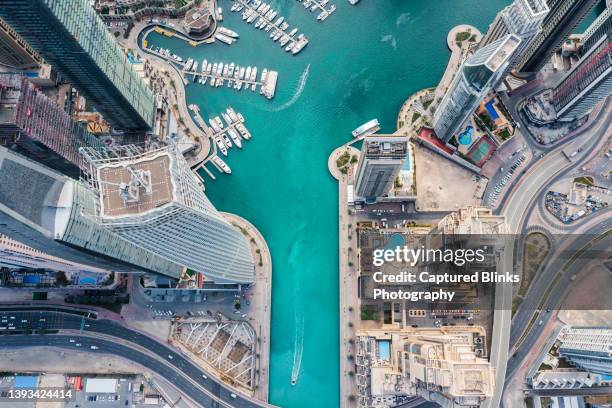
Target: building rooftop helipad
x,y
111,176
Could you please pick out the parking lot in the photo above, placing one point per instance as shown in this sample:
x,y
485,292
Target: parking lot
x,y
497,188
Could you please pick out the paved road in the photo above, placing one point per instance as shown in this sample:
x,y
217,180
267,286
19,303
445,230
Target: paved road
x,y
176,368
565,393
554,299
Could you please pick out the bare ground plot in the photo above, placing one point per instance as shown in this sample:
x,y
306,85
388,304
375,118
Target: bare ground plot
x,y
441,183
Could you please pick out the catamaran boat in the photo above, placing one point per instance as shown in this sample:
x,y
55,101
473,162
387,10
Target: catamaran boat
x,y
367,128
235,138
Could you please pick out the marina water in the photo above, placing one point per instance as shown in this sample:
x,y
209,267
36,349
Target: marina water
x,y
361,63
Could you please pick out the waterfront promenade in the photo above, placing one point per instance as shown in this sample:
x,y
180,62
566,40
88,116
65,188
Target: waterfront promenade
x,y
459,51
202,138
261,299
347,277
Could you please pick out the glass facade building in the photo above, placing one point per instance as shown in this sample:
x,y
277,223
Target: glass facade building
x,y
587,83
478,74
154,201
35,125
563,17
50,212
589,348
381,160
71,37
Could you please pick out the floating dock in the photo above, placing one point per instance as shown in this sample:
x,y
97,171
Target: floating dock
x,y
267,19
319,6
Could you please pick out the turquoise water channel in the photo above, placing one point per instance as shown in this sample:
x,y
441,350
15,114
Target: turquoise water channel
x,y
361,63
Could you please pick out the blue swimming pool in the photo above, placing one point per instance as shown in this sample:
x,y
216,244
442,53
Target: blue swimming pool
x,y
384,350
396,240
491,110
465,138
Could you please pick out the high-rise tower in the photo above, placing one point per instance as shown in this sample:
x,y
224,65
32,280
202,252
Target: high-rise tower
x,y
35,126
154,201
588,82
562,19
52,213
382,157
477,76
71,37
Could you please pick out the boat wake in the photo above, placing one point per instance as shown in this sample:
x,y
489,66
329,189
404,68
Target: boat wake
x,y
298,91
298,349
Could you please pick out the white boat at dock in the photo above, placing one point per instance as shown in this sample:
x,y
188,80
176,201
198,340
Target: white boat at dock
x,y
367,128
240,117
234,136
241,73
228,32
292,32
226,140
221,146
232,114
219,163
224,39
214,125
284,41
247,75
246,135
226,118
284,26
218,120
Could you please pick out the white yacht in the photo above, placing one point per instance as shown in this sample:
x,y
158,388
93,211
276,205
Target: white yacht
x,y
221,164
220,145
367,128
226,140
235,138
228,32
213,124
232,114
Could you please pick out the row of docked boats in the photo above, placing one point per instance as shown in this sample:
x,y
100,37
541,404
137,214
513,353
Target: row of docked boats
x,y
166,53
268,20
225,35
218,74
230,131
316,5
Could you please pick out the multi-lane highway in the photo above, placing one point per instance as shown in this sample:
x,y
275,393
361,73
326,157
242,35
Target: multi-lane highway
x,y
115,338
